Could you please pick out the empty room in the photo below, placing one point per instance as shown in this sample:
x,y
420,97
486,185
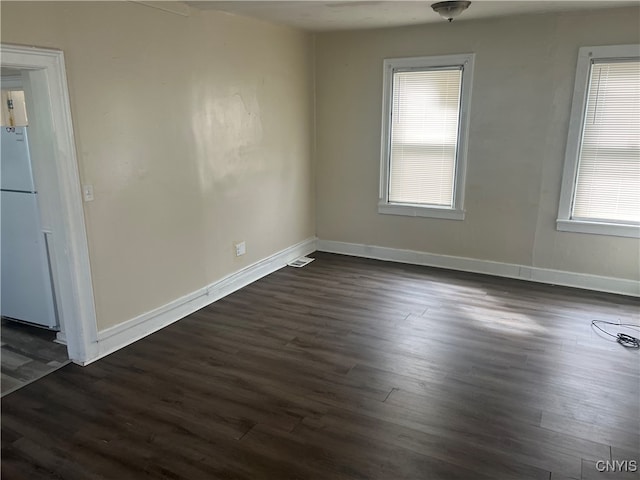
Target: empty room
x,y
320,240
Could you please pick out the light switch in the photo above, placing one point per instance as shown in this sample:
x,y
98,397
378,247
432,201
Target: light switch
x,y
87,193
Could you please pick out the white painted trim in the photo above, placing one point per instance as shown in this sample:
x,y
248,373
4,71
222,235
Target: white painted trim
x,y
499,269
61,338
123,334
599,228
574,141
44,74
420,211
456,212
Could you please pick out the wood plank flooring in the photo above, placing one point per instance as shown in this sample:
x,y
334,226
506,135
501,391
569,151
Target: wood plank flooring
x,y
348,369
28,353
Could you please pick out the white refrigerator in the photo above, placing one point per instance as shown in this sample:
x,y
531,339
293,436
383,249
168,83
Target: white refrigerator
x,y
26,291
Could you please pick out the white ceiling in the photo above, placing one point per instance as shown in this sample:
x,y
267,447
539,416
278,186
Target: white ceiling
x,y
355,14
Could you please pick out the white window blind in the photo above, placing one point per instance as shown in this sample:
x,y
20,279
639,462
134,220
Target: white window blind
x,y
425,117
608,177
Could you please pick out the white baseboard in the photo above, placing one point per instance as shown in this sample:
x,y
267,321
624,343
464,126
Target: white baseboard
x,y
123,334
510,270
61,338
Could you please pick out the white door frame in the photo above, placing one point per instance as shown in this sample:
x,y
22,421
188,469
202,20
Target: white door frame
x,y
44,76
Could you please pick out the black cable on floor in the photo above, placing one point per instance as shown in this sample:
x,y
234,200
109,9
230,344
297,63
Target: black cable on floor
x,y
623,339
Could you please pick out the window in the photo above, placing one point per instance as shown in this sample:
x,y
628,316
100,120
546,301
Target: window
x,y
424,135
601,181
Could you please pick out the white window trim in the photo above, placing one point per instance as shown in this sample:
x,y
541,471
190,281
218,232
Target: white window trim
x,y
564,222
456,212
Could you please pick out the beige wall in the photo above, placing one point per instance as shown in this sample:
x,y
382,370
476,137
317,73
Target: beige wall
x,y
523,83
196,133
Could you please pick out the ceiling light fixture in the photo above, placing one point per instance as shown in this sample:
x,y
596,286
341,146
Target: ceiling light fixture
x,y
450,10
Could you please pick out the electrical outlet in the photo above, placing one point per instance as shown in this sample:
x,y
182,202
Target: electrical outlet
x,y
241,249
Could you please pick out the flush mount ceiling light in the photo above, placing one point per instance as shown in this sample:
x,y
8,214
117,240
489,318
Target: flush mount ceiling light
x,y
450,10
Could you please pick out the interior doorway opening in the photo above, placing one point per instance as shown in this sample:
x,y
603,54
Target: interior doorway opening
x,y
30,332
40,74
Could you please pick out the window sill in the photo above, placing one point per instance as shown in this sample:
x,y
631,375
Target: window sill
x,y
599,228
420,211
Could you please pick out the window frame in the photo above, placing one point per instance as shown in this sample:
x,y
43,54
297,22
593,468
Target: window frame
x,y
564,221
390,65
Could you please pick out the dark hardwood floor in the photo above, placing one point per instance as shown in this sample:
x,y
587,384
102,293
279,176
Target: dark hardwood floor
x,y
348,369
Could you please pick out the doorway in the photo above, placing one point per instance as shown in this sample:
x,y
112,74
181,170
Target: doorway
x,y
41,73
28,335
